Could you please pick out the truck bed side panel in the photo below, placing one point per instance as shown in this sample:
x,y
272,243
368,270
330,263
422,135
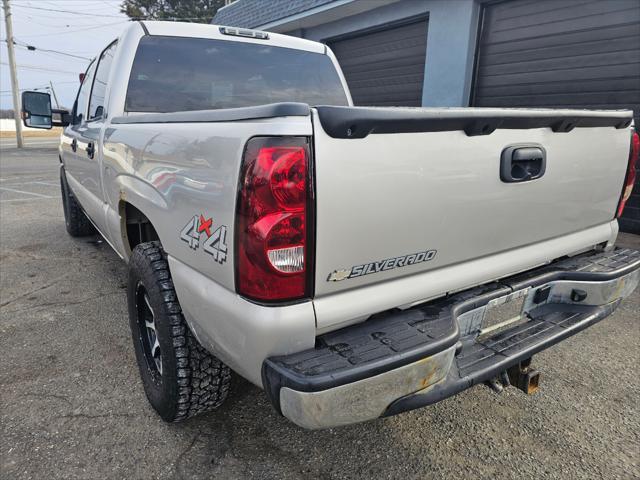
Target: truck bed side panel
x,y
175,171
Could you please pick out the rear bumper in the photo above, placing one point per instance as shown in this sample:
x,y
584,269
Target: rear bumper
x,y
402,360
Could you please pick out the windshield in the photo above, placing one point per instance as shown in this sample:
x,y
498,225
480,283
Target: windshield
x,y
172,74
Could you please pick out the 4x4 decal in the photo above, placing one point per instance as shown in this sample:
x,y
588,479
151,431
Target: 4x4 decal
x,y
215,243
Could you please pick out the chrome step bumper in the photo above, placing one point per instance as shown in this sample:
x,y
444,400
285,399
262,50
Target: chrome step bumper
x,y
402,360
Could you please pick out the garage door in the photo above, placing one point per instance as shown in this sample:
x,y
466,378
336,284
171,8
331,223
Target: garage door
x,y
385,67
562,53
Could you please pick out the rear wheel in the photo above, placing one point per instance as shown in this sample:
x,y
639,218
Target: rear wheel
x,y
180,377
77,223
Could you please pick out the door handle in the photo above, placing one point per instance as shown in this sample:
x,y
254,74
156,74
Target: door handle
x,y
74,145
522,163
91,149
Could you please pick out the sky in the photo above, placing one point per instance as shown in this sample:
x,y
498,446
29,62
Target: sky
x,y
83,30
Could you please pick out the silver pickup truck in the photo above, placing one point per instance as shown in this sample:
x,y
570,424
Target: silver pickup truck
x,y
353,262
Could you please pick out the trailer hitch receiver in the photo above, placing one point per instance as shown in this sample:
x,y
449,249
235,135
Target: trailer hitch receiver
x,y
525,377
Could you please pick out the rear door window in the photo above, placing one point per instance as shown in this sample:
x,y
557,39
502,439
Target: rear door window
x,y
80,110
96,104
173,74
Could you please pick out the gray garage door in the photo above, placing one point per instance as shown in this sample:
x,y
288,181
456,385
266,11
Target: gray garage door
x,y
385,67
562,53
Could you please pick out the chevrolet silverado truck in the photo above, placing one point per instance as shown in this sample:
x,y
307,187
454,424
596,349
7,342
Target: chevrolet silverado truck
x,y
353,262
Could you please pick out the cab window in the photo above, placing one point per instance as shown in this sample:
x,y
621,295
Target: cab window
x,y
96,102
173,74
80,110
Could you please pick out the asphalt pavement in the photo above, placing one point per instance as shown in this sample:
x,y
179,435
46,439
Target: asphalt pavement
x,y
41,142
72,405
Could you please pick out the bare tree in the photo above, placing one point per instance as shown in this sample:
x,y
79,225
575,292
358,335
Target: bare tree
x,y
196,11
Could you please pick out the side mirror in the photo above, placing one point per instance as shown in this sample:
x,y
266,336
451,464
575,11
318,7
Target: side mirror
x,y
36,110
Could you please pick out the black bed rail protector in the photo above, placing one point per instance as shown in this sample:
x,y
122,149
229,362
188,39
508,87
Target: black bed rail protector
x,y
272,110
358,122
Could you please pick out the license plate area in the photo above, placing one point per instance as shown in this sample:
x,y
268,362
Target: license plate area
x,y
503,313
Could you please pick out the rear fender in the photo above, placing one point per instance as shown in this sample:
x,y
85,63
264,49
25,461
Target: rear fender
x,y
142,196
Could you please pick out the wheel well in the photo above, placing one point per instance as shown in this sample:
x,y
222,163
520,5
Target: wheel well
x,y
137,228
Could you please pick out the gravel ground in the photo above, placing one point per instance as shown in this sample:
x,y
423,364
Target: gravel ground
x,y
72,405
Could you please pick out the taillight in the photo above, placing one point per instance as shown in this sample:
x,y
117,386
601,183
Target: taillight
x,y
274,220
630,178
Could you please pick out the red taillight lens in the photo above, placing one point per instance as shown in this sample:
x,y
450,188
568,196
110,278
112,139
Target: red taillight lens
x,y
274,214
630,179
288,176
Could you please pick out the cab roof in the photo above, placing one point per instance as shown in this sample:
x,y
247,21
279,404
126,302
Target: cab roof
x,y
219,32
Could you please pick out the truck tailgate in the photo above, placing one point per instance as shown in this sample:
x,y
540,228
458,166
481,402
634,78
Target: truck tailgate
x,y
429,196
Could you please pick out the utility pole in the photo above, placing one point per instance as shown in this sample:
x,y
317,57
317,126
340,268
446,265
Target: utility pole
x,y
14,75
55,97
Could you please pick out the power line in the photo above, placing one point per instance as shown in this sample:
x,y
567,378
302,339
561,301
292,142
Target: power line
x,y
66,22
32,48
57,3
35,67
208,17
8,92
67,11
57,58
53,17
21,44
77,30
4,92
92,4
67,3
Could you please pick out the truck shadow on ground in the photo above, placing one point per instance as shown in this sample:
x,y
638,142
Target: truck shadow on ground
x,y
247,438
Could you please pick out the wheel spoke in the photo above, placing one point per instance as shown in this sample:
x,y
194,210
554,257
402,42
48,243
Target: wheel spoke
x,y
155,348
146,300
152,345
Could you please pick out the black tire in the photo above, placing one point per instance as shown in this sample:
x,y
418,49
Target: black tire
x,y
77,223
187,380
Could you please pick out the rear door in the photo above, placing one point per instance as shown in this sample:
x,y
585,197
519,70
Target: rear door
x,y
83,164
74,147
96,115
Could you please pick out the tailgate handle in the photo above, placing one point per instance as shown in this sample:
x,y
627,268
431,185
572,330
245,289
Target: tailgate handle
x,y
522,163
